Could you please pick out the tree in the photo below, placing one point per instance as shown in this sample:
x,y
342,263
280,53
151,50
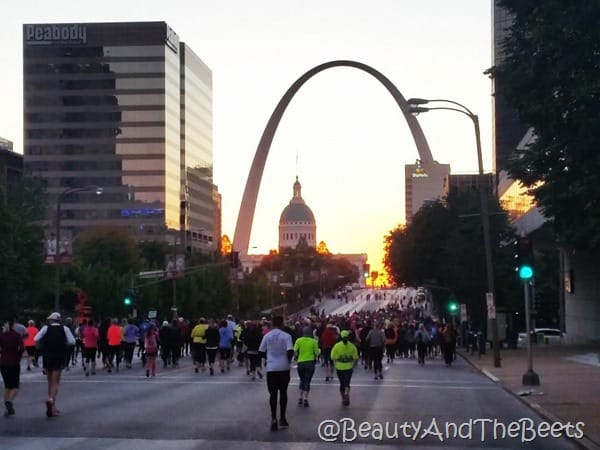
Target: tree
x,y
443,249
21,245
550,76
104,261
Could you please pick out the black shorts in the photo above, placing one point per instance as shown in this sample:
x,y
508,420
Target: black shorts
x,y
278,381
89,353
30,350
225,353
10,376
53,363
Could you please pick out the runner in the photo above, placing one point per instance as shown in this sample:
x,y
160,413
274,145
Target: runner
x,y
306,352
252,337
277,347
212,345
198,336
30,344
90,337
151,344
113,336
422,338
11,350
130,336
329,337
225,345
376,341
54,340
345,355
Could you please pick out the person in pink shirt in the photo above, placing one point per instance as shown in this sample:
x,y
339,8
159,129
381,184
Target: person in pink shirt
x,y
90,347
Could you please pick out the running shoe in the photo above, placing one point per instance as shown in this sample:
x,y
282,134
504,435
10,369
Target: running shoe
x,y
283,423
274,425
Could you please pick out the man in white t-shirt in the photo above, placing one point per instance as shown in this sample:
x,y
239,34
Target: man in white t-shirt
x,y
278,348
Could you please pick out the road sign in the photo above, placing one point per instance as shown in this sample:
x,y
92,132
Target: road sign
x,y
152,314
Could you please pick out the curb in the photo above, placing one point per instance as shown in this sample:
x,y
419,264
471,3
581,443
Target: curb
x,y
584,443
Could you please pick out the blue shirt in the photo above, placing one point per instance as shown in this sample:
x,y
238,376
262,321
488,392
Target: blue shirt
x,y
130,333
225,337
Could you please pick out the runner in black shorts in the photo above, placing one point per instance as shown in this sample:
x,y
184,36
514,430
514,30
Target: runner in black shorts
x,y
55,339
11,346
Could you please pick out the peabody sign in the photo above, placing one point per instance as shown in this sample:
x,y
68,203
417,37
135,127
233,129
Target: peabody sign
x,y
55,34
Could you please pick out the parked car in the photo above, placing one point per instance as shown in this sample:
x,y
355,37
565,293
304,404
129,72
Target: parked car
x,y
550,336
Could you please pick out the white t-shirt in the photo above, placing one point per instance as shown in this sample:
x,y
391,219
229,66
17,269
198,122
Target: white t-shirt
x,y
276,344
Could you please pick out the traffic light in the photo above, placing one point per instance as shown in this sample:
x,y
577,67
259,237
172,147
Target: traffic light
x,y
452,307
130,298
366,268
524,258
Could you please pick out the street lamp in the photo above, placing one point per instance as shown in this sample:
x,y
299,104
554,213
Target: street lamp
x,y
415,108
98,190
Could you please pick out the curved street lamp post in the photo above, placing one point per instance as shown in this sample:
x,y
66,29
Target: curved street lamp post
x,y
416,108
58,261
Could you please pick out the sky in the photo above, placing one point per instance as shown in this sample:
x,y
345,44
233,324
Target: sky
x,y
342,134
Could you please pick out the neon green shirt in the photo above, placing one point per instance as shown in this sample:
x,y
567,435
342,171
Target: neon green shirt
x,y
344,355
306,349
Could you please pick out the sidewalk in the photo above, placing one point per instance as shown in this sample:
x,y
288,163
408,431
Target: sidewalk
x,y
569,389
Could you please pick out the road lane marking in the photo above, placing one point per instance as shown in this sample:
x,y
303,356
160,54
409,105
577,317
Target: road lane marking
x,y
200,381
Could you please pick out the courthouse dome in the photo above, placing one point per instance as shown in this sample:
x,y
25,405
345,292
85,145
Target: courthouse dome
x,y
297,210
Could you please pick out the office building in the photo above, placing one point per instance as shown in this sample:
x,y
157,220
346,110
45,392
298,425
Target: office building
x,y
469,182
424,183
127,107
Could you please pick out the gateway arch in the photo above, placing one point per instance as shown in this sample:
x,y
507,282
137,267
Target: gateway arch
x,y
243,228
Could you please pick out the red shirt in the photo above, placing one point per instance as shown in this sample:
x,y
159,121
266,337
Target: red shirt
x,y
11,348
328,337
31,332
114,335
90,337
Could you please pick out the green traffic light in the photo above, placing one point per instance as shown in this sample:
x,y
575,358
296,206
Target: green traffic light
x,y
525,272
453,307
127,301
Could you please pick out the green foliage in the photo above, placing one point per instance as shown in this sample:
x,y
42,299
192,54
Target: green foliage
x,y
21,245
112,248
550,76
443,249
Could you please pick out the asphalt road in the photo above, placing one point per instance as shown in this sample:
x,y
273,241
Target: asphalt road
x,y
179,409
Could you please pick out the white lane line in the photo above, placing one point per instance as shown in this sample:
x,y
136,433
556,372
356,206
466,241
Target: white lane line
x,y
163,380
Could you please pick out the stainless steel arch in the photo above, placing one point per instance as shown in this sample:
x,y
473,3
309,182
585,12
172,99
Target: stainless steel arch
x,y
243,228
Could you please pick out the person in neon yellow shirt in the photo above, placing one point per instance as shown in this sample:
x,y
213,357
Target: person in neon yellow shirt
x,y
306,352
345,356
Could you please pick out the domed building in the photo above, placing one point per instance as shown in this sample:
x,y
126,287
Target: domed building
x,y
297,222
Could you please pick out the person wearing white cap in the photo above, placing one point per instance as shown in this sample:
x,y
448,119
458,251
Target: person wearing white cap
x,y
54,340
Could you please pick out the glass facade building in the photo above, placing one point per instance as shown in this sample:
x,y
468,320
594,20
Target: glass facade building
x,y
116,105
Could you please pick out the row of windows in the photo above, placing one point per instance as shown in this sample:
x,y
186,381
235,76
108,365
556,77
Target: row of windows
x,y
293,236
90,81
93,117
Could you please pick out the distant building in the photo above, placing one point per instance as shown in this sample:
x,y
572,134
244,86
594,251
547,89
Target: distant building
x,y
424,183
127,107
11,164
469,182
297,222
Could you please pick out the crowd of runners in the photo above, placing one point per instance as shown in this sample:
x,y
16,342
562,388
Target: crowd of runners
x,y
262,347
